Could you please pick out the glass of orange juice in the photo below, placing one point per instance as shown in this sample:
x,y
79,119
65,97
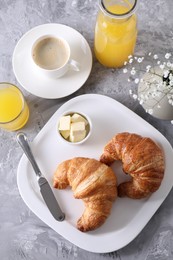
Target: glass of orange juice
x,y
115,32
14,111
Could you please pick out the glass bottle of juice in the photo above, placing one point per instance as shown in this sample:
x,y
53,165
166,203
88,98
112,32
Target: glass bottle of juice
x,y
115,32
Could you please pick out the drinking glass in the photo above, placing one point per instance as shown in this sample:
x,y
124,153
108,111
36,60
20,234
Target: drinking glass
x,y
14,111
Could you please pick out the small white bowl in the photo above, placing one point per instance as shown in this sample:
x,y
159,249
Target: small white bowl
x,y
89,127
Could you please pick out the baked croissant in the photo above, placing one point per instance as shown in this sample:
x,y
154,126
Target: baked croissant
x,y
142,158
94,183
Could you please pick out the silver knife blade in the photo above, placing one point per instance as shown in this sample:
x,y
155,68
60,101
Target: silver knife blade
x,y
45,188
50,199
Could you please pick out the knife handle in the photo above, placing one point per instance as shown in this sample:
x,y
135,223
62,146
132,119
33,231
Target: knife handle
x,y
22,140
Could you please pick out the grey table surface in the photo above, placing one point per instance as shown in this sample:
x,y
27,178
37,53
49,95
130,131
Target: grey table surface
x,y
22,234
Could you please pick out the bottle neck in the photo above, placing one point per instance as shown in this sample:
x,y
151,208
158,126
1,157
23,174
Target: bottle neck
x,y
125,11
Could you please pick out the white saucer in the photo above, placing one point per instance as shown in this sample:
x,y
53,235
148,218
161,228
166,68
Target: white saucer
x,y
40,85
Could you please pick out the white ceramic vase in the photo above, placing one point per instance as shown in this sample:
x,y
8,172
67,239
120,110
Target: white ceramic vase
x,y
153,99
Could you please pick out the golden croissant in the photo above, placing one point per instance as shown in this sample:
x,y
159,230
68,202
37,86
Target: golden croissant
x,y
142,159
94,183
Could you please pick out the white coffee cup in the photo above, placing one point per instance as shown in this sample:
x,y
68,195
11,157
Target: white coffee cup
x,y
51,56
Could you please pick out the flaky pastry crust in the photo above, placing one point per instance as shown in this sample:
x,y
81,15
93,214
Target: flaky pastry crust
x,y
94,183
142,159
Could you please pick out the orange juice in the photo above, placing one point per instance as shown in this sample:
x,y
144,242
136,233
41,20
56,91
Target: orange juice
x,y
115,37
14,112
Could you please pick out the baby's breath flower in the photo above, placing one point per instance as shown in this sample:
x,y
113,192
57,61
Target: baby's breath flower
x,y
165,73
140,60
135,96
133,71
167,55
136,80
148,68
156,84
168,64
162,66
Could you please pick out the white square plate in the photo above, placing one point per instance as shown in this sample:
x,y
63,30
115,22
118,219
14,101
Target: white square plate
x,y
128,216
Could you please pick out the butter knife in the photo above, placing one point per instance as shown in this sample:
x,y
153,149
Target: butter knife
x,y
45,188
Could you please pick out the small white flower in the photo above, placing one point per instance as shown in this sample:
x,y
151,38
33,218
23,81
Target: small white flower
x,y
155,56
172,122
133,72
166,73
125,63
129,80
158,62
131,60
125,70
135,96
162,66
136,80
140,60
130,92
168,64
167,55
149,54
130,56
148,68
